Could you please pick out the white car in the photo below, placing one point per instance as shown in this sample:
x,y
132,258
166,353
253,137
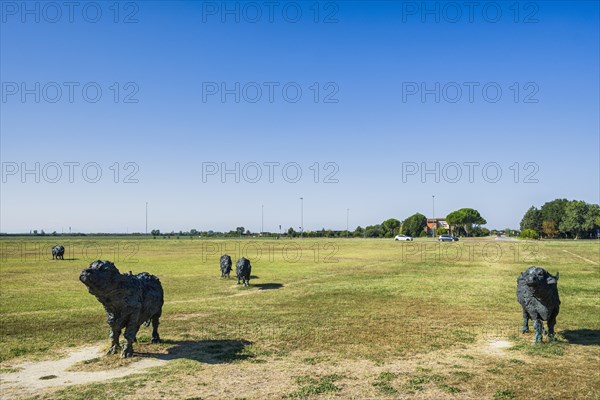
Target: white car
x,y
403,237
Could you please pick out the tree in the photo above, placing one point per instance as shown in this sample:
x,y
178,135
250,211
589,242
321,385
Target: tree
x,y
291,232
374,231
549,229
554,211
358,232
532,220
391,226
465,218
240,230
155,232
414,225
580,218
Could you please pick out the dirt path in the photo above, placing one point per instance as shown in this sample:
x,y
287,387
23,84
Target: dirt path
x,y
33,377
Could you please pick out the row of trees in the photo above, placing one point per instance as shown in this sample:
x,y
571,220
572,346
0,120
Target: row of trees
x,y
557,218
465,221
563,218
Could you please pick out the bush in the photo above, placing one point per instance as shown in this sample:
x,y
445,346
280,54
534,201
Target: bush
x,y
529,234
479,232
422,234
441,231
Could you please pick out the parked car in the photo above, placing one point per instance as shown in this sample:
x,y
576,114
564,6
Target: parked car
x,y
447,238
403,237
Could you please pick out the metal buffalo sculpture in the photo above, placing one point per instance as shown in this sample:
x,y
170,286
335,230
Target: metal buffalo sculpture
x,y
225,266
58,252
537,292
129,300
242,270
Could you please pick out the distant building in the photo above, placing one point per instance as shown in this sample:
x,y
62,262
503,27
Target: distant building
x,y
437,223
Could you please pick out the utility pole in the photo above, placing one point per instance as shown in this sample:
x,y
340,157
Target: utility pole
x,y
146,218
347,222
262,219
301,217
433,216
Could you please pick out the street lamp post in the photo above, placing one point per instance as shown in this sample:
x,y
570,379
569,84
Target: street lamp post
x,y
262,219
433,216
347,221
301,217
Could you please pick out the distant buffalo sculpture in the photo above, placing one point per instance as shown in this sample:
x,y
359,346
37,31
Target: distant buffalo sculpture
x,y
537,292
242,270
129,300
225,266
58,252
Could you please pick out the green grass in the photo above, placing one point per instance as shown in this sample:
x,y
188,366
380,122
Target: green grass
x,y
313,386
504,394
383,383
349,299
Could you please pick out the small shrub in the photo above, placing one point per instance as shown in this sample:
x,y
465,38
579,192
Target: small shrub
x,y
529,234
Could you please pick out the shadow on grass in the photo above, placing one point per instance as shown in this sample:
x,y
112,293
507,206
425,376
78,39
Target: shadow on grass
x,y
586,337
268,286
205,351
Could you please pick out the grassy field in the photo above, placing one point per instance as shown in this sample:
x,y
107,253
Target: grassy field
x,y
347,318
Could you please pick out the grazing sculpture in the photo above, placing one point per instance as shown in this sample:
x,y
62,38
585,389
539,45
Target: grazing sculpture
x,y
537,292
129,301
225,265
58,252
243,269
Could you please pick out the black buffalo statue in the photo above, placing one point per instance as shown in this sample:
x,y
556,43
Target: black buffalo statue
x,y
242,270
129,300
537,292
225,266
58,252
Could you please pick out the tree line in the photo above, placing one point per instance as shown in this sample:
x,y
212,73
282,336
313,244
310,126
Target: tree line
x,y
561,218
465,221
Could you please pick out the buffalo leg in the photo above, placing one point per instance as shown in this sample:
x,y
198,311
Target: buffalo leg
x,y
115,333
551,323
538,325
130,334
525,327
155,336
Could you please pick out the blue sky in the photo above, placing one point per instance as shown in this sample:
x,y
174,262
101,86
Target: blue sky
x,y
364,122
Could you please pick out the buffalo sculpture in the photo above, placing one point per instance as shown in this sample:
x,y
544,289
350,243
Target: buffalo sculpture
x,y
129,301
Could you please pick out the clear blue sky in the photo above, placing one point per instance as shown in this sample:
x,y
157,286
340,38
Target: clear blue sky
x,y
369,53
